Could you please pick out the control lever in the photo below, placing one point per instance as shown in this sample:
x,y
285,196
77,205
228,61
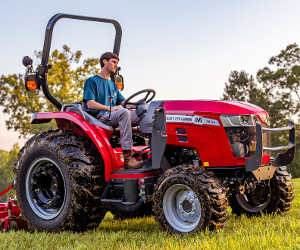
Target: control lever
x,y
110,102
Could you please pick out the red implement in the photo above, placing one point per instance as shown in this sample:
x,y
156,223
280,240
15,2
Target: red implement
x,y
10,215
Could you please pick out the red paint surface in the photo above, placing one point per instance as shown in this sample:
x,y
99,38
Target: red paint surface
x,y
4,210
134,176
211,107
5,191
210,141
100,136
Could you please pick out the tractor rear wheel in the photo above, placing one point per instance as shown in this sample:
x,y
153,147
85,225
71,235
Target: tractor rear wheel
x,y
59,182
274,196
187,199
127,211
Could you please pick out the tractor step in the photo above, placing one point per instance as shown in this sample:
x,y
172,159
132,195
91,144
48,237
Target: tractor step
x,y
130,185
134,173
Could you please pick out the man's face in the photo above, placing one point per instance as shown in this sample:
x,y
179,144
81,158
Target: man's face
x,y
111,65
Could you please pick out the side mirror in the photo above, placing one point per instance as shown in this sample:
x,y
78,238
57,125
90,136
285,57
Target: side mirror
x,y
31,78
27,61
119,81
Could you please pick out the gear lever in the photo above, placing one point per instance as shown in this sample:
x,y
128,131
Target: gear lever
x,y
107,121
110,102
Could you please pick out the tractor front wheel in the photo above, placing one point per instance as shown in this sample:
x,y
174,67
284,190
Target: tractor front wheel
x,y
188,199
273,196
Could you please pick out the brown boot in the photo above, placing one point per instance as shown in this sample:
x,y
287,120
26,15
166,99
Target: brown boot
x,y
129,161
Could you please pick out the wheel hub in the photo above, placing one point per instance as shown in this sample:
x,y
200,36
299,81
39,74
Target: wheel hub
x,y
45,188
182,208
186,204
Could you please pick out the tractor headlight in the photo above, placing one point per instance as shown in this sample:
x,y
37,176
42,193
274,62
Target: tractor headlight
x,y
241,133
239,120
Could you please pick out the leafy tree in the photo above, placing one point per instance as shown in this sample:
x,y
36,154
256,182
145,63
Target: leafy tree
x,y
286,75
275,89
244,87
281,80
7,161
66,79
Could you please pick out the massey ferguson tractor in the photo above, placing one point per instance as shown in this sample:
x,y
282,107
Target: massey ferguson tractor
x,y
199,156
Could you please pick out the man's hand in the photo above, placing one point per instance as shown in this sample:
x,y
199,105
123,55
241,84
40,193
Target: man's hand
x,y
116,108
128,105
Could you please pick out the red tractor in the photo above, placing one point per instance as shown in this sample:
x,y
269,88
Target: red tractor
x,y
199,156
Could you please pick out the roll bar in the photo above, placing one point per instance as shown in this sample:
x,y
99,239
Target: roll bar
x,y
43,67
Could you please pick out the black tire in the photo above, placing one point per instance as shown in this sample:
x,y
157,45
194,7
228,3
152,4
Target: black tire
x,y
188,199
128,211
278,197
59,181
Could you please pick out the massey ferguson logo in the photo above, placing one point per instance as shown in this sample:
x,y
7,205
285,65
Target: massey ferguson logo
x,y
199,120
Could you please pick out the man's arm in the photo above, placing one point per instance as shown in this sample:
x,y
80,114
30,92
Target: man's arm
x,y
96,105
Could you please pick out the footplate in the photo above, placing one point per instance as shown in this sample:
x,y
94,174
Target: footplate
x,y
130,185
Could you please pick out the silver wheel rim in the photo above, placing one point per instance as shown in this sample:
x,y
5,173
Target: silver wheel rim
x,y
44,202
182,208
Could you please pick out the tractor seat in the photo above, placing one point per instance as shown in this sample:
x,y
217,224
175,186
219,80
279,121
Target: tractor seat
x,y
96,113
93,112
93,116
90,116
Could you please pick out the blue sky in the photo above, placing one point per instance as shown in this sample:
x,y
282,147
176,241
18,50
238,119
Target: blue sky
x,y
182,49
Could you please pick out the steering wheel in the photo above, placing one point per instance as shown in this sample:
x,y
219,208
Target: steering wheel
x,y
143,100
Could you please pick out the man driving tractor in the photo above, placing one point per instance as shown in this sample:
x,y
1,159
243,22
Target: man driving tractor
x,y
97,92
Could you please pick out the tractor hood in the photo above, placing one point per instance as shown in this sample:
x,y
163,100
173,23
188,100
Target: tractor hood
x,y
211,107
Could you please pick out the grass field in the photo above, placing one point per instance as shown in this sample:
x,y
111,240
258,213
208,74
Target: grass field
x,y
265,232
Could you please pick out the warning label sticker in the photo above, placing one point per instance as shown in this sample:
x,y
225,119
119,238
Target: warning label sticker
x,y
199,120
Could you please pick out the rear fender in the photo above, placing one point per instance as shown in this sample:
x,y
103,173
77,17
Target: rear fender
x,y
99,136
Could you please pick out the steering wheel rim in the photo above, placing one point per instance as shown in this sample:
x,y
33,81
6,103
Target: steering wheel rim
x,y
143,100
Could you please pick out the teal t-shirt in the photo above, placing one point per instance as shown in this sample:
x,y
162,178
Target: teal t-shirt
x,y
99,89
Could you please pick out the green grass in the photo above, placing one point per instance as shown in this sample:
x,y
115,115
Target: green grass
x,y
263,232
